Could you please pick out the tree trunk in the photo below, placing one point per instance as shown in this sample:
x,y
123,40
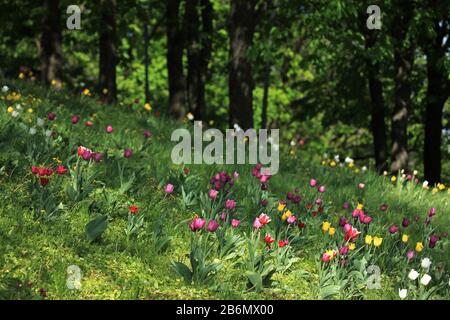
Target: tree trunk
x,y
240,81
378,124
205,52
174,59
403,63
50,44
265,102
108,51
437,93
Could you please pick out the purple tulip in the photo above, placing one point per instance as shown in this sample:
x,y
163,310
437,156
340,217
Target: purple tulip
x,y
213,225
197,224
343,250
345,205
343,221
147,134
433,240
264,202
393,229
127,153
213,193
406,222
432,212
384,207
87,155
51,116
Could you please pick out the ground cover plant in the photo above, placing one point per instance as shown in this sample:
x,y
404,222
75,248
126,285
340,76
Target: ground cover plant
x,y
93,208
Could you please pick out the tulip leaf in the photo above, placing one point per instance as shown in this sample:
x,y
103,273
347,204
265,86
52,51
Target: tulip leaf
x,y
256,280
96,227
329,291
183,270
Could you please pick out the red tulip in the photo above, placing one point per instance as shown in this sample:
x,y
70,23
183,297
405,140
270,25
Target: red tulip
x,y
268,239
61,170
133,209
43,181
283,243
351,234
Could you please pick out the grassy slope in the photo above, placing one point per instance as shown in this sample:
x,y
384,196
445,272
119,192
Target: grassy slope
x,y
34,253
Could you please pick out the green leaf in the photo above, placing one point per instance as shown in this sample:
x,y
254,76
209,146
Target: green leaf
x,y
183,270
256,280
96,227
329,291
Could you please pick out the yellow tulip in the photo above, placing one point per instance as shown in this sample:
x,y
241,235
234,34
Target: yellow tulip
x,y
281,206
377,241
286,215
405,238
326,226
368,240
333,164
10,109
360,206
434,190
332,231
393,178
419,246
352,246
148,107
30,110
441,186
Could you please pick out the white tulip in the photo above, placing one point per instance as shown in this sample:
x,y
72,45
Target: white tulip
x,y
425,184
426,263
15,114
402,293
413,274
32,131
19,107
425,279
5,89
40,122
349,160
364,169
48,133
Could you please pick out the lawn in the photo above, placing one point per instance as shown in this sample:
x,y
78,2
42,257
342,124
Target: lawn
x,y
106,223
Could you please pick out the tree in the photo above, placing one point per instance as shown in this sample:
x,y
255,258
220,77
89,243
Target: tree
x,y
240,81
378,123
108,51
438,89
175,59
403,64
50,43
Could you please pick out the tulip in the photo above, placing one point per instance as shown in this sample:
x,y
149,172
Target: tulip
x,y
213,193
197,224
405,238
425,280
264,202
283,243
133,209
34,170
51,116
230,204
97,156
328,255
365,219
413,275
343,250
433,239
235,223
213,225
361,186
345,205
264,219
393,229
318,201
88,123
268,239
410,255
109,129
406,222
357,213
419,246
87,154
301,225
147,134
432,212
127,153
257,224
61,170
43,181
321,189
312,183
296,199
326,226
377,241
281,206
291,219
343,221
351,234
368,239
402,293
74,119
425,263
384,207
223,216
169,188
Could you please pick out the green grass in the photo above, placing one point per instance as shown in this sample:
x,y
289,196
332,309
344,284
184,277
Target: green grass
x,y
35,252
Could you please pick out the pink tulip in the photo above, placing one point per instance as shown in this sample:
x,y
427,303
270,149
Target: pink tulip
x,y
410,255
321,189
291,219
318,201
213,225
312,183
169,188
393,229
74,119
257,224
197,224
343,250
213,193
223,216
127,153
235,223
361,186
109,129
